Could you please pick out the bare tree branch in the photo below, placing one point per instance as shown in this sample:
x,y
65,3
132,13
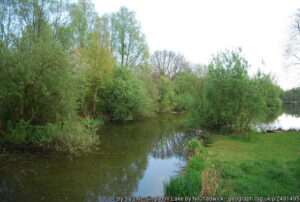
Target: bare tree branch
x,y
168,63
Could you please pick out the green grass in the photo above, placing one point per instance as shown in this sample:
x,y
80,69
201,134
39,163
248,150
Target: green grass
x,y
188,184
276,146
253,164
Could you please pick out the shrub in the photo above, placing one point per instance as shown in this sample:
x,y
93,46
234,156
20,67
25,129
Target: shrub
x,y
186,85
230,99
193,144
37,84
271,97
125,98
196,147
39,95
70,136
166,98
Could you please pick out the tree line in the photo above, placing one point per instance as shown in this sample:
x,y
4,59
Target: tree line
x,y
64,69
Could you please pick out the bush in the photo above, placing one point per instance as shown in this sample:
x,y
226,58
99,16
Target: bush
x,y
37,84
124,98
271,97
166,98
230,99
39,95
71,136
193,144
144,74
186,86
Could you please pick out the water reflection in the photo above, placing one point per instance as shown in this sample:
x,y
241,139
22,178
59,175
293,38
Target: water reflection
x,y
292,109
134,159
167,147
289,120
283,122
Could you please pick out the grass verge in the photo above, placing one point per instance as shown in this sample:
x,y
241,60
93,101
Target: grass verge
x,y
250,165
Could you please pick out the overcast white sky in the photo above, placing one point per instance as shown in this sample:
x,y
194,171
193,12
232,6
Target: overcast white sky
x,y
200,28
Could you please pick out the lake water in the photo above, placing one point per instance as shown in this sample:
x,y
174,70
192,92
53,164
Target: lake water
x,y
135,159
288,120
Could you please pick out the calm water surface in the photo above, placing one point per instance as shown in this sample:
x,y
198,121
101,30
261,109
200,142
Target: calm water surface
x,y
288,120
135,159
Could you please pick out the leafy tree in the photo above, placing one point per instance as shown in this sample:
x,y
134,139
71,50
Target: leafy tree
x,y
83,17
125,98
230,99
150,84
270,94
36,81
186,87
16,16
166,98
128,42
98,64
39,88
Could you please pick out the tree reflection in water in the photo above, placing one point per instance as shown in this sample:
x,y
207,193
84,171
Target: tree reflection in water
x,y
292,109
172,145
115,170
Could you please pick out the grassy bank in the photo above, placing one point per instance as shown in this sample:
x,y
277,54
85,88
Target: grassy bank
x,y
253,164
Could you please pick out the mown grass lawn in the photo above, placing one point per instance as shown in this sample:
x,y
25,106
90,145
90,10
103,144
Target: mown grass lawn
x,y
249,165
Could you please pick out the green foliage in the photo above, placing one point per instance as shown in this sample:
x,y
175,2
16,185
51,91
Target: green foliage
x,y
193,144
124,98
82,15
186,86
97,63
37,83
270,95
150,84
70,136
230,99
40,89
166,98
189,183
128,42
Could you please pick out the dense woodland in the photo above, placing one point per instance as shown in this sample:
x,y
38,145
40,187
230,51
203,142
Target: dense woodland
x,y
65,70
